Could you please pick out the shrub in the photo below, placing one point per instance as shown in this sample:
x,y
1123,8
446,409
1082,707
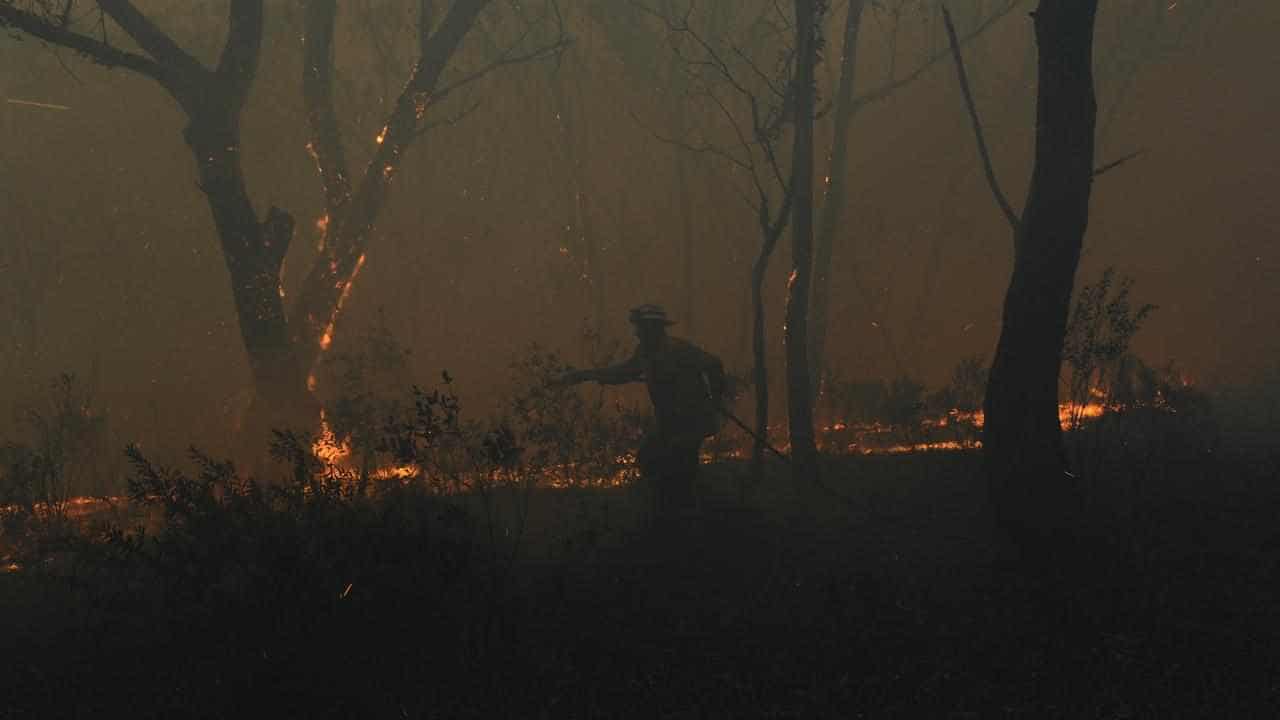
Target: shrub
x,y
230,541
577,437
63,454
856,401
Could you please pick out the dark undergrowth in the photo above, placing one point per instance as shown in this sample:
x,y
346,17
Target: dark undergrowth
x,y
306,599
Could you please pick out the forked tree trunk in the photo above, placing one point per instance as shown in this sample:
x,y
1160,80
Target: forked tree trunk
x,y
281,348
253,252
1022,441
352,212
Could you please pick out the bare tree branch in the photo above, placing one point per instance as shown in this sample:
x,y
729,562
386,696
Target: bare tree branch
x,y
453,119
540,53
764,77
716,62
97,50
887,88
696,148
987,168
426,18
153,40
436,48
774,231
765,124
239,61
1118,162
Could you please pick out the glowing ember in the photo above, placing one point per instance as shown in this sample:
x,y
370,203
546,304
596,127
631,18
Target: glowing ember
x,y
74,508
1071,415
329,451
396,472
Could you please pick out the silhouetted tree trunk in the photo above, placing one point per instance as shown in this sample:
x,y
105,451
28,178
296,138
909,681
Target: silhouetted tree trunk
x,y
845,110
1022,438
213,101
686,225
770,232
804,452
834,195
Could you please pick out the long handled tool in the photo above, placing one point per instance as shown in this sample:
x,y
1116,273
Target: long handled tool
x,y
761,441
821,485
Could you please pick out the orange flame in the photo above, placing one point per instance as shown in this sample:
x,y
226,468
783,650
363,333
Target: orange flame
x,y
326,337
326,446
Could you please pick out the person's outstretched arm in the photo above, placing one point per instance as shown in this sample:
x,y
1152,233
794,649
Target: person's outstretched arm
x,y
629,370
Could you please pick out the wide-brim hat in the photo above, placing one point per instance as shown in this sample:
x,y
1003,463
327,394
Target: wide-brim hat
x,y
650,314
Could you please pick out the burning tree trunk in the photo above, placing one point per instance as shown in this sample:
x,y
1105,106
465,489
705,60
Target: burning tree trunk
x,y
1022,438
281,349
804,452
350,215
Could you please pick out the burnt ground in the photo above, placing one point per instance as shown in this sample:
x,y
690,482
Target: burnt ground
x,y
901,603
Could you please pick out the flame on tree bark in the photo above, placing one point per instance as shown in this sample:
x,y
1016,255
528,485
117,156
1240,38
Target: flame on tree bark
x,y
281,347
350,213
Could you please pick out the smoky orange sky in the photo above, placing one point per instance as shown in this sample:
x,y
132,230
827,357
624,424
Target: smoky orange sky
x,y
111,268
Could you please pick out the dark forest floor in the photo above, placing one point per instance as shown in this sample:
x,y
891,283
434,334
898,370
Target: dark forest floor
x,y
903,604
